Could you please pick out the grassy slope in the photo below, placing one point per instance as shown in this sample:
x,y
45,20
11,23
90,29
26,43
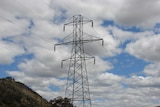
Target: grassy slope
x,y
16,94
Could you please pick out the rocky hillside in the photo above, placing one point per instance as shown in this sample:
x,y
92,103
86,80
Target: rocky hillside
x,y
16,94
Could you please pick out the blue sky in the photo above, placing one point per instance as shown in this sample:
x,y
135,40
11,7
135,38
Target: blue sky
x,y
127,66
124,63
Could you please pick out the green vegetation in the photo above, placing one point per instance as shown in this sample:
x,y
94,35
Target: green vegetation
x,y
61,102
16,94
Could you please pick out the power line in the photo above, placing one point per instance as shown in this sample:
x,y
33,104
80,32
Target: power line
x,y
25,29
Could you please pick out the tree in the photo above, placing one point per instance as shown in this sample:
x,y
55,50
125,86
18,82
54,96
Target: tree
x,y
61,102
10,78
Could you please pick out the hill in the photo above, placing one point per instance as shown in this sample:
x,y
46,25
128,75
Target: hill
x,y
16,94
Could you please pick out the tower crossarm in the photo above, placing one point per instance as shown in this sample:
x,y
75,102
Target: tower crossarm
x,y
78,42
84,58
74,22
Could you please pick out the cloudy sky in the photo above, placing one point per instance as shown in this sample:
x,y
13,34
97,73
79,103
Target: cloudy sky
x,y
127,69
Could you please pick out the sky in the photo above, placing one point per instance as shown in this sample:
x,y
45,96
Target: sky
x,y
127,68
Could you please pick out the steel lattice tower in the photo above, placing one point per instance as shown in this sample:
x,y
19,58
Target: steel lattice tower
x,y
77,87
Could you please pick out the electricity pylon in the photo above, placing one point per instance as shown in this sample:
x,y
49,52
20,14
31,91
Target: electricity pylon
x,y
77,87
